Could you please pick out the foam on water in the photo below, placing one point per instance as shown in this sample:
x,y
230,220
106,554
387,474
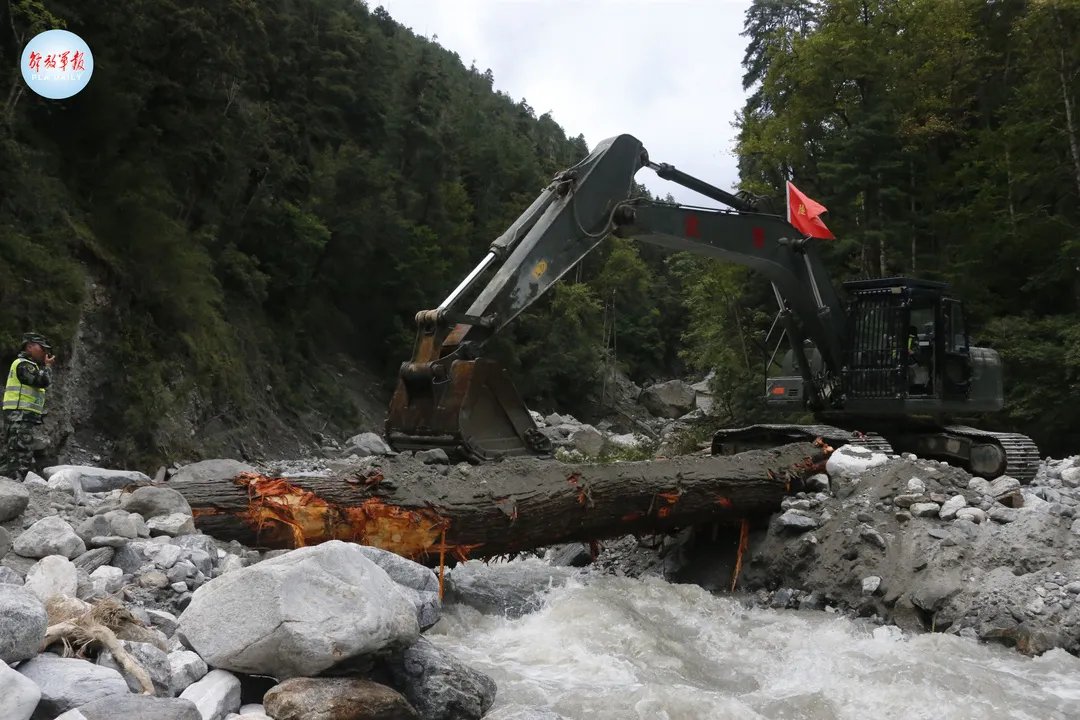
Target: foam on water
x,y
620,648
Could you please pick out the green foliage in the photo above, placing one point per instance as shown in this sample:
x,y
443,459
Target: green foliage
x,y
944,138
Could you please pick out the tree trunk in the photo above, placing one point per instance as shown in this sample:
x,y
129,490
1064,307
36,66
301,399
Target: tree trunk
x,y
489,510
1074,145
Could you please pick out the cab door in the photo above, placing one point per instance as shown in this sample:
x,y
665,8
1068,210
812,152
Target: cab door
x,y
956,359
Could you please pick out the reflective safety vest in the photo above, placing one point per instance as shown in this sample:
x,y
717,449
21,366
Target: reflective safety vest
x,y
18,396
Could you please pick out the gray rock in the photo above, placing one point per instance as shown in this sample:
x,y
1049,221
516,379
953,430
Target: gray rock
x,y
215,695
67,683
670,399
1070,477
906,501
948,510
210,471
14,498
974,515
22,623
169,555
107,579
979,485
916,486
133,557
153,501
154,579
872,536
9,577
492,590
18,694
1005,490
870,584
796,521
419,583
434,456
925,509
97,480
152,659
1073,587
1002,514
163,621
5,542
52,575
439,685
366,444
49,536
818,483
171,525
135,707
317,606
588,440
185,668
333,698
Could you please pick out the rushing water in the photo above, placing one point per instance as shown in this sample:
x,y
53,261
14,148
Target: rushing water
x,y
618,648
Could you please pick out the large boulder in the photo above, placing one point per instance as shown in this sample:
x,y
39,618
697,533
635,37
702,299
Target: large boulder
x,y
852,460
14,498
22,623
336,699
49,536
53,575
68,683
671,399
365,444
18,694
154,500
440,686
135,707
492,590
94,479
215,695
418,582
299,613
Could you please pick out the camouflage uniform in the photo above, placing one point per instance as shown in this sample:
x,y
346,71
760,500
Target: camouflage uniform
x,y
21,425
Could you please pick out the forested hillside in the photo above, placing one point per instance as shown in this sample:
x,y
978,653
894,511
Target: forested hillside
x,y
257,185
944,137
246,188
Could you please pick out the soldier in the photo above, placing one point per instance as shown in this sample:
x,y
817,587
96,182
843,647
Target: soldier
x,y
24,403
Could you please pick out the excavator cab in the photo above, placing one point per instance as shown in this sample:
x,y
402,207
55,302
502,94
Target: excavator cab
x,y
908,349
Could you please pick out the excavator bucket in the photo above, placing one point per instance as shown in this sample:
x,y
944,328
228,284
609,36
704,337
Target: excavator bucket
x,y
469,408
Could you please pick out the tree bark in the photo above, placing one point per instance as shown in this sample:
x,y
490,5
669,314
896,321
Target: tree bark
x,y
501,508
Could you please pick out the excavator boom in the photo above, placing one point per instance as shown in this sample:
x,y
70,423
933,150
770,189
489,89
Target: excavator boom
x,y
449,397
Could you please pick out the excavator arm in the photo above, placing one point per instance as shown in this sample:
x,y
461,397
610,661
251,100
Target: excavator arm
x,y
448,396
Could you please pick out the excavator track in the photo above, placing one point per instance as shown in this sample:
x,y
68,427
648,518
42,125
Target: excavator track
x,y
1021,454
753,437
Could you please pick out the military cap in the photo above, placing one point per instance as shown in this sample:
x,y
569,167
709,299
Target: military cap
x,y
36,338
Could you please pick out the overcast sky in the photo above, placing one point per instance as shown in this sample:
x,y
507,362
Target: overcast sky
x,y
665,71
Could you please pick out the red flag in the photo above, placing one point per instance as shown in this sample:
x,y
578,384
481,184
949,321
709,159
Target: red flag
x,y
803,213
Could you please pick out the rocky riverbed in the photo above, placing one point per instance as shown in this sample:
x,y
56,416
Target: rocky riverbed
x,y
103,573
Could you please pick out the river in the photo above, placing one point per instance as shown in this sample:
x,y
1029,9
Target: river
x,y
609,647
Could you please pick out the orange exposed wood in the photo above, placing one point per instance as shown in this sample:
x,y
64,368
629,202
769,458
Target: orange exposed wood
x,y
285,514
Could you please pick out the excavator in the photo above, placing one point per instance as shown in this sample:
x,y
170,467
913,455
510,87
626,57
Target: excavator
x,y
881,363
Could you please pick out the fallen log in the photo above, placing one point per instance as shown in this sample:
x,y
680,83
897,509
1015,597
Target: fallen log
x,y
432,513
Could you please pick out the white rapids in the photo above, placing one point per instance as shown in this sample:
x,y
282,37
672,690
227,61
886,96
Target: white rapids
x,y
619,648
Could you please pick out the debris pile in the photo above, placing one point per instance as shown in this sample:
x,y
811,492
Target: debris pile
x,y
113,605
